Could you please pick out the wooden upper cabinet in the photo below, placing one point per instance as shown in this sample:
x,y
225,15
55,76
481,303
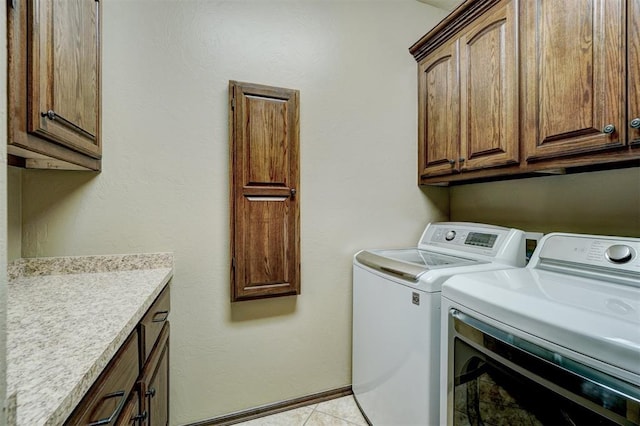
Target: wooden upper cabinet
x,y
574,77
512,87
489,90
64,69
633,61
54,83
468,97
439,112
264,170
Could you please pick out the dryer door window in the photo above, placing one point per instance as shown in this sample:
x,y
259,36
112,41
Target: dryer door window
x,y
499,378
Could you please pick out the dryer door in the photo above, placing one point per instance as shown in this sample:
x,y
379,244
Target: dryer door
x,y
499,378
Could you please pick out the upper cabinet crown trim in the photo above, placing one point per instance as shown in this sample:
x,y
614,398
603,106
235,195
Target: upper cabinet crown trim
x,y
461,17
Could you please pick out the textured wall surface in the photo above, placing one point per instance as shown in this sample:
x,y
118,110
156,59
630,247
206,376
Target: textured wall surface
x,y
164,185
14,213
3,209
606,203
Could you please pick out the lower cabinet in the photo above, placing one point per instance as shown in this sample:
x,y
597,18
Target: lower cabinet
x,y
155,382
104,401
133,390
131,414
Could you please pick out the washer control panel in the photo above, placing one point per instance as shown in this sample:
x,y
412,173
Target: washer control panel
x,y
463,237
490,242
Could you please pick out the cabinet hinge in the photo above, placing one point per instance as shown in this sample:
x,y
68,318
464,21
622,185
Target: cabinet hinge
x,y
233,103
12,3
233,262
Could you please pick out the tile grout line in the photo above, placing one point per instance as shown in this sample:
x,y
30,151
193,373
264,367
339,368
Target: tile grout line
x,y
330,415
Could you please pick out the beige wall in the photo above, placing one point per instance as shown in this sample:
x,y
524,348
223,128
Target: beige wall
x,y
3,209
606,202
164,184
14,213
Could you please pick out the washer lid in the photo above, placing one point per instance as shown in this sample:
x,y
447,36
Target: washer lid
x,y
410,263
596,318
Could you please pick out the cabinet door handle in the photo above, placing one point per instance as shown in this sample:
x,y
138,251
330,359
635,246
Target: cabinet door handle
x,y
461,159
112,417
53,116
452,162
160,316
140,417
609,129
635,123
151,392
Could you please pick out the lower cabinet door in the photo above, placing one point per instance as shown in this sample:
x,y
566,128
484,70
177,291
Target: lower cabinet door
x,y
155,382
131,414
104,402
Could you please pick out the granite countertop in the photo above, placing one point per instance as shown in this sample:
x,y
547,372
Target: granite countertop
x,y
66,318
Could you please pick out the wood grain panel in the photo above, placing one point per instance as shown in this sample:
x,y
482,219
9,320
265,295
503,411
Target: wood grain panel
x,y
74,72
267,229
107,395
152,323
438,111
155,381
489,90
65,73
633,69
27,31
266,156
130,415
264,174
574,76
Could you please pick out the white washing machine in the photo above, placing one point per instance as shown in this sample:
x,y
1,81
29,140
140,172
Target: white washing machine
x,y
557,342
396,315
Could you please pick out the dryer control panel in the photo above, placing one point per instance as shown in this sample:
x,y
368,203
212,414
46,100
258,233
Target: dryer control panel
x,y
589,253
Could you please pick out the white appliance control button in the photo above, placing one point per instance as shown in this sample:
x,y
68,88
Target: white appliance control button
x,y
619,253
450,235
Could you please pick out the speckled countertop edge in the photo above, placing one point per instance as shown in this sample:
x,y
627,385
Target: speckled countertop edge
x,y
36,405
40,266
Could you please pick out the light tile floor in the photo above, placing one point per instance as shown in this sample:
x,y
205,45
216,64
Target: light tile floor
x,y
336,412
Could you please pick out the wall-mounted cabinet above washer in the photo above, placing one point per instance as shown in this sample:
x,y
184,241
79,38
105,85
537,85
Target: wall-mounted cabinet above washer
x,y
509,88
54,84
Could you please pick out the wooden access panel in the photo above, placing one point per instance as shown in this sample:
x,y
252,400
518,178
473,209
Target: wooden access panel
x,y
633,71
264,179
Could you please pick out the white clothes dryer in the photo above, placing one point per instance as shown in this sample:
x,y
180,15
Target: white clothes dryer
x,y
555,343
396,315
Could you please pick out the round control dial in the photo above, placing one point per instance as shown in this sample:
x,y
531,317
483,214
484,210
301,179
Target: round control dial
x,y
450,235
619,253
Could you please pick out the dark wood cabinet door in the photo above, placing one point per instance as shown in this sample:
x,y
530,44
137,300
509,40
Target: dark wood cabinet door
x,y
633,70
574,77
265,218
489,90
155,382
106,398
131,414
438,112
65,73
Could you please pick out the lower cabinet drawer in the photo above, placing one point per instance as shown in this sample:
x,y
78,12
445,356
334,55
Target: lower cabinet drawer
x,y
106,398
152,323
